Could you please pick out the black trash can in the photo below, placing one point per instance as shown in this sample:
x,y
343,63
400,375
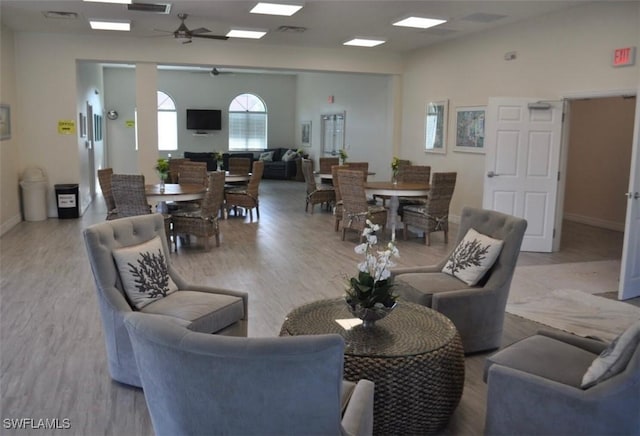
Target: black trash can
x,y
67,199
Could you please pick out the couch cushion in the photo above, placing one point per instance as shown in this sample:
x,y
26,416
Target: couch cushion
x,y
420,287
614,359
143,271
473,257
207,312
266,156
545,357
289,155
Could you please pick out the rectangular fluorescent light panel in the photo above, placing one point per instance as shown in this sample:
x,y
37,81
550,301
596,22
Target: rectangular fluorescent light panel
x,y
124,26
122,2
361,42
418,22
251,34
275,9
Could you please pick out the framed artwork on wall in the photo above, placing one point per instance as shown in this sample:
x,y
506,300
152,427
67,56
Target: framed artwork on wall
x,y
436,126
305,132
5,121
470,129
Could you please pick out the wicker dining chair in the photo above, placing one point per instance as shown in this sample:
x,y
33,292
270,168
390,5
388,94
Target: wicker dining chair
x,y
359,166
356,210
246,198
338,207
129,195
316,194
326,163
174,169
193,173
203,223
408,173
433,215
239,165
104,178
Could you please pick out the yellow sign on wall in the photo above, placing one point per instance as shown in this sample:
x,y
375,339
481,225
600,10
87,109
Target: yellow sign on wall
x,y
130,123
66,127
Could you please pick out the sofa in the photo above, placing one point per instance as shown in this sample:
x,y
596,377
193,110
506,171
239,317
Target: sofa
x,y
208,157
275,167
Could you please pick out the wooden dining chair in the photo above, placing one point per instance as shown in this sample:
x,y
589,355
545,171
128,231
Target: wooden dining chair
x,y
193,173
129,195
325,164
174,169
239,165
359,166
338,208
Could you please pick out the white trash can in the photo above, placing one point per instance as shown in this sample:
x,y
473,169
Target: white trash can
x,y
34,194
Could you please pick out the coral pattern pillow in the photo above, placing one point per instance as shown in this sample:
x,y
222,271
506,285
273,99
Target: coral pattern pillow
x,y
614,359
473,257
144,273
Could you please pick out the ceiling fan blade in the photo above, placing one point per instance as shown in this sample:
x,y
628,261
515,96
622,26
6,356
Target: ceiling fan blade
x,y
220,37
200,30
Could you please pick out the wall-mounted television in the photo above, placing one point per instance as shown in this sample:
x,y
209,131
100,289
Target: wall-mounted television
x,y
204,119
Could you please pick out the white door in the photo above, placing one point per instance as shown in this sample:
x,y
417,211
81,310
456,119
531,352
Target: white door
x,y
630,271
522,144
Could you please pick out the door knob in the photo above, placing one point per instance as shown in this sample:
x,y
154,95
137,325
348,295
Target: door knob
x,y
632,195
492,174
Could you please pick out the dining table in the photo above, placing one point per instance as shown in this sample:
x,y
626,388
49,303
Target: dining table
x,y
395,190
159,195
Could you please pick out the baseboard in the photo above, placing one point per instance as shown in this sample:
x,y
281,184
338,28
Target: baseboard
x,y
595,222
10,223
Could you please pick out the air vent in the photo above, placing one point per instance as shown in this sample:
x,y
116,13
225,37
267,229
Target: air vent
x,y
60,15
481,17
156,8
293,29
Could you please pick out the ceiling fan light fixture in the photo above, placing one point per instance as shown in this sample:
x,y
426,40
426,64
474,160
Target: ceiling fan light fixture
x,y
123,26
285,10
250,34
419,22
364,42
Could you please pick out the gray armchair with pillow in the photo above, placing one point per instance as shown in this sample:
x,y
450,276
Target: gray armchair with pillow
x,y
198,384
132,271
471,292
563,384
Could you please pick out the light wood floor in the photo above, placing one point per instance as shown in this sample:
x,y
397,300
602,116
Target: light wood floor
x,y
52,354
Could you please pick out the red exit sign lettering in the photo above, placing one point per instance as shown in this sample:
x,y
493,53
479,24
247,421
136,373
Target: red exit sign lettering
x,y
625,56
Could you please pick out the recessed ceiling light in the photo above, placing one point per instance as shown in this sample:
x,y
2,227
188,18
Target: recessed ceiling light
x,y
251,34
124,26
419,22
275,9
363,42
122,2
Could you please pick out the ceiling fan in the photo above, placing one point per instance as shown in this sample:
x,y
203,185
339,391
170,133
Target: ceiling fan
x,y
185,34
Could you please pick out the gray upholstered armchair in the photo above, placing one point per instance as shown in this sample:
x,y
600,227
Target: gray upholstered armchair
x,y
197,384
200,308
477,311
534,388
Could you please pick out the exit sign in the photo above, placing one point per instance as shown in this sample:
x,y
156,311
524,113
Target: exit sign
x,y
625,56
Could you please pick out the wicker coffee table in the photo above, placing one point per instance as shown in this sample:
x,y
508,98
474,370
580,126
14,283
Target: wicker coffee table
x,y
414,356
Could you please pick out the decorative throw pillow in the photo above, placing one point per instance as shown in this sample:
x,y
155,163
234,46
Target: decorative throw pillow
x,y
266,156
614,359
289,155
144,273
473,257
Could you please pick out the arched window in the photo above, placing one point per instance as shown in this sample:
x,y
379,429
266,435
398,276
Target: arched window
x,y
247,123
167,123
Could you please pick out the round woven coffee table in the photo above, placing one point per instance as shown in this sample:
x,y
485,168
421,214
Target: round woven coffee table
x,y
414,356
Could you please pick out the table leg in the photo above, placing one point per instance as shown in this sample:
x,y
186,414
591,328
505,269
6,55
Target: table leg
x,y
394,202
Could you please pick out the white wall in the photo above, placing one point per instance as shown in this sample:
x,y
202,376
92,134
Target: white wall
x,y
367,101
559,54
9,148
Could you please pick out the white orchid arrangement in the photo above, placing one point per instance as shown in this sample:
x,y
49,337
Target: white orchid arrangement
x,y
373,286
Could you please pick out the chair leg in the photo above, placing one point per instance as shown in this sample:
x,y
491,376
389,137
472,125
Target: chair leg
x,y
306,206
250,215
446,236
427,238
257,212
337,226
217,239
344,231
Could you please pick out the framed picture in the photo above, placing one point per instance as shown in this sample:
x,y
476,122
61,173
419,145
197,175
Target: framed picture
x,y
470,129
306,134
436,126
5,121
